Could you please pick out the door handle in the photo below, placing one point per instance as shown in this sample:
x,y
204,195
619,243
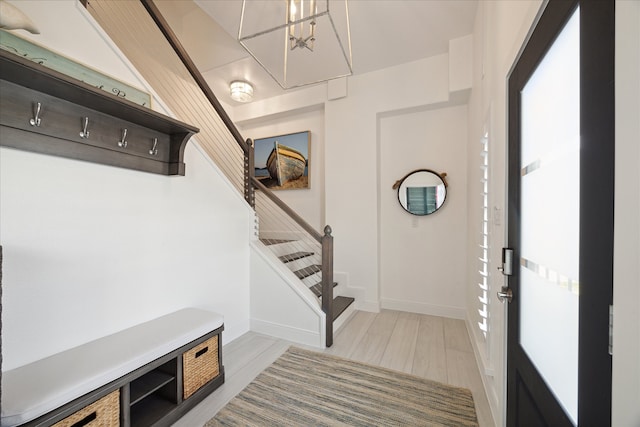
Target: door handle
x,y
505,294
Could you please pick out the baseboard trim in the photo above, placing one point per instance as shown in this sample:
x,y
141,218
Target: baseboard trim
x,y
370,306
299,336
422,308
485,372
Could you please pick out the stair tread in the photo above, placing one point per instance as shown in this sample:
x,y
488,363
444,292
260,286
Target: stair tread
x,y
308,271
295,256
340,304
317,288
269,242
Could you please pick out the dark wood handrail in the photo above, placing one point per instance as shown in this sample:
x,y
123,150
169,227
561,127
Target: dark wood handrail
x,y
282,205
171,37
251,182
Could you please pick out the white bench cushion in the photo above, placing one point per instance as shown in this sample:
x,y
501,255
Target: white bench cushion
x,y
33,390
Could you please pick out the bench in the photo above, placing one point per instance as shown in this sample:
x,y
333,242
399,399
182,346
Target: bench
x,y
154,371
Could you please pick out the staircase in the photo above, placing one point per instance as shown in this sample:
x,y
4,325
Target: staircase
x,y
146,39
301,263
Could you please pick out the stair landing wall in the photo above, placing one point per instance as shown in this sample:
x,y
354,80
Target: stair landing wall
x,y
276,308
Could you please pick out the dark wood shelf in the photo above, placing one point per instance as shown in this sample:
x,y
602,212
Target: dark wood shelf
x,y
66,102
150,410
148,384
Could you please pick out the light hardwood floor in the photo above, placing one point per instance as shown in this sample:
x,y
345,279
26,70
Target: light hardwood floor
x,y
427,346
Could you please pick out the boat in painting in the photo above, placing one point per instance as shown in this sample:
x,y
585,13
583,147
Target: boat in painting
x,y
285,164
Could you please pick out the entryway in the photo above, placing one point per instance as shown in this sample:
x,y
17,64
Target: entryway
x,y
560,198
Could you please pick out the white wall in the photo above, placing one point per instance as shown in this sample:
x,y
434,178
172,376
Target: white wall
x,y
352,161
419,255
626,281
500,30
352,137
286,310
308,203
91,249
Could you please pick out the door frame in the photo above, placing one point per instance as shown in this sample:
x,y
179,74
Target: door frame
x,y
597,120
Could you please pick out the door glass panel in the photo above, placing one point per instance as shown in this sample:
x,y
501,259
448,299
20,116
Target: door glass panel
x,y
550,209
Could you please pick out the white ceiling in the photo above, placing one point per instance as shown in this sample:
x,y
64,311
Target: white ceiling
x,y
384,33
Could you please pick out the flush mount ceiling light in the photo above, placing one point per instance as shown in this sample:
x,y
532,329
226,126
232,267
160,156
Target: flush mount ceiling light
x,y
241,91
298,42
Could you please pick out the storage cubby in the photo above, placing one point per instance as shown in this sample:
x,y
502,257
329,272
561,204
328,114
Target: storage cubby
x,y
154,394
151,395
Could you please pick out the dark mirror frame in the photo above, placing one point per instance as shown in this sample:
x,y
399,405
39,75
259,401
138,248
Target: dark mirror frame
x,y
438,204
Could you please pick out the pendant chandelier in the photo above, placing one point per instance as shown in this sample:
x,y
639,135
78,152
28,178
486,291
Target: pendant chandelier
x,y
298,42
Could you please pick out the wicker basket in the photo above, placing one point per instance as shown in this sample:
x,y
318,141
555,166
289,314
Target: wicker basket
x,y
104,412
200,365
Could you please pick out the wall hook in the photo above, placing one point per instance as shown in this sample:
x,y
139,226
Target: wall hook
x,y
123,141
442,176
35,121
154,149
85,132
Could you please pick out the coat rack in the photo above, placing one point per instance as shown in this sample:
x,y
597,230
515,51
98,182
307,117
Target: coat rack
x,y
47,112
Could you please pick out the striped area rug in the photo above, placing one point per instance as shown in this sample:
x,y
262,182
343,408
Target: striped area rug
x,y
306,388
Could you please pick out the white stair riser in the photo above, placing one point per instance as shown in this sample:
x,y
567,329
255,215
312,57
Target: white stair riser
x,y
292,247
302,262
312,280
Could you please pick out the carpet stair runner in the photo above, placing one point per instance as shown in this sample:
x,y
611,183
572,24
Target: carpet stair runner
x,y
313,271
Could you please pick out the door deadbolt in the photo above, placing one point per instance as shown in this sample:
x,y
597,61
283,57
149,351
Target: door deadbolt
x,y
507,262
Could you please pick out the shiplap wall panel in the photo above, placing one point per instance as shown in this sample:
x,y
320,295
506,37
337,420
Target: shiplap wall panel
x,y
135,33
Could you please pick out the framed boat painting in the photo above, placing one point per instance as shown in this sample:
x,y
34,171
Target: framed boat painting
x,y
282,162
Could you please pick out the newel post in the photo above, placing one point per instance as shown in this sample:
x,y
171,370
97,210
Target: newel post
x,y
249,173
327,283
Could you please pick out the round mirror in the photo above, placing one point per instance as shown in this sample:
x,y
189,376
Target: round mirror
x,y
422,192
